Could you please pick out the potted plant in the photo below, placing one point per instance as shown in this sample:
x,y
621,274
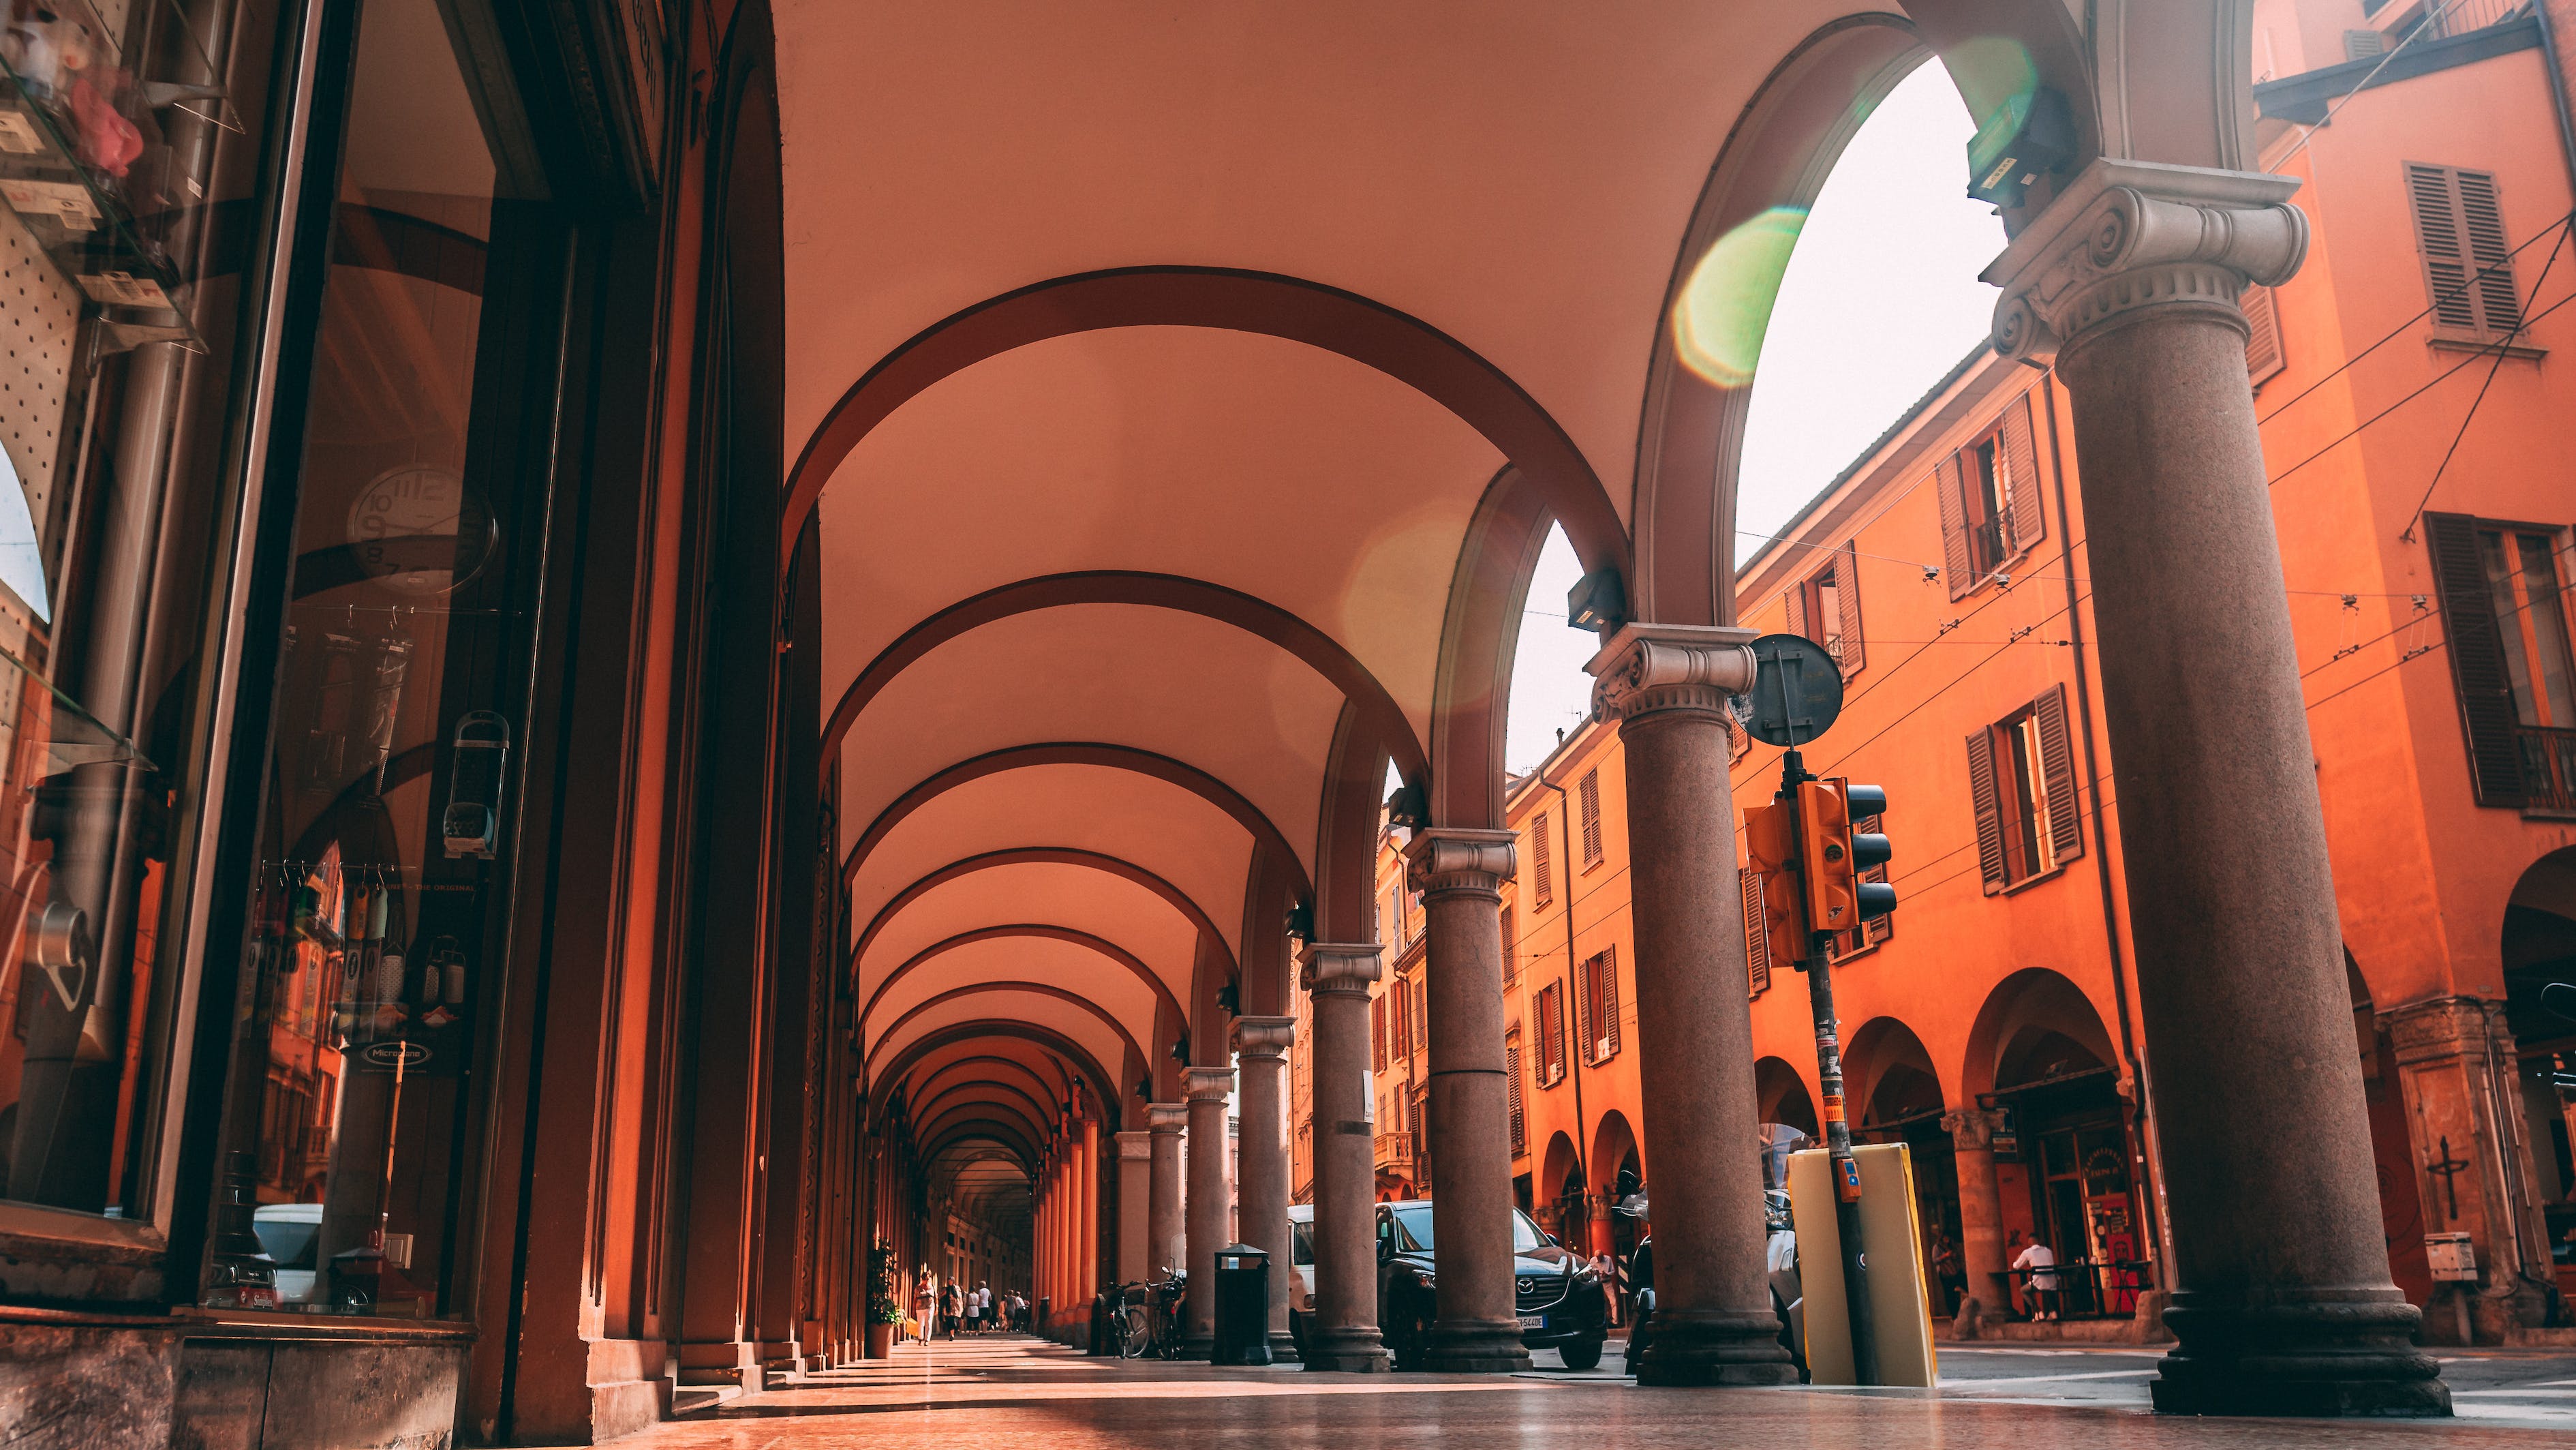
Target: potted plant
x,y
885,1308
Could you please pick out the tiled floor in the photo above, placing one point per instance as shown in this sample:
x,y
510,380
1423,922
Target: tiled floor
x,y
979,1394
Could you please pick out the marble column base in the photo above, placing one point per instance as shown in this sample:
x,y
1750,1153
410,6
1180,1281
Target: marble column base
x,y
2328,1357
1474,1346
1347,1351
1715,1347
1283,1347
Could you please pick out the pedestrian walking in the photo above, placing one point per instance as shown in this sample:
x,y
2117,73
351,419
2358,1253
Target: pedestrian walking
x,y
925,1305
949,1309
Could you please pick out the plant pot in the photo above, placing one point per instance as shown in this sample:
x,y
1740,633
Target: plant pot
x,y
880,1341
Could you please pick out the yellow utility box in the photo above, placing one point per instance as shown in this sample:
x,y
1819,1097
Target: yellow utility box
x,y
1899,1297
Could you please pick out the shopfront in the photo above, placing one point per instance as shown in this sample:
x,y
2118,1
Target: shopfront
x,y
293,295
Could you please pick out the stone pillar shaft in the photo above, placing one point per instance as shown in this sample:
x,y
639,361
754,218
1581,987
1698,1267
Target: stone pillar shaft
x,y
1345,1334
1089,1259
1261,1177
1135,1203
1460,875
1981,1217
1163,1241
1668,688
1206,1212
2282,1299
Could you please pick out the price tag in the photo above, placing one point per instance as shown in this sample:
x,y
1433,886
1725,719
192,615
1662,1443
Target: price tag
x,y
124,289
67,202
18,134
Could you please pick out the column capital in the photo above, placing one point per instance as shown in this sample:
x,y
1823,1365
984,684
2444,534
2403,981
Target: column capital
x,y
1207,1084
1135,1146
1447,859
1339,966
1646,668
1171,1118
1264,1038
1972,1128
2127,237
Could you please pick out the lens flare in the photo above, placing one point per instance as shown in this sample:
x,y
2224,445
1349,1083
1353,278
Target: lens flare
x,y
1726,306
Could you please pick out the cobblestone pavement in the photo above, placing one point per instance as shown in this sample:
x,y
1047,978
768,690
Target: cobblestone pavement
x,y
1013,1391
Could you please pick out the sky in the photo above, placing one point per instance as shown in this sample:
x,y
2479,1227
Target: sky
x,y
1879,300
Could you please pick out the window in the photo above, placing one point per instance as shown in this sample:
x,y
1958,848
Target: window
x,y
1757,941
1588,794
1990,500
1547,1025
1598,983
2263,356
1542,879
1825,607
2468,265
2504,612
1513,1102
2021,772
1511,952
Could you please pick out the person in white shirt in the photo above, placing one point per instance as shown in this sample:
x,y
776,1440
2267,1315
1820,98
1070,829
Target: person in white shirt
x,y
984,1306
2039,1261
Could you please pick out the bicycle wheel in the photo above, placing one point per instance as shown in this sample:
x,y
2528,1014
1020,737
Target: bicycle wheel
x,y
1133,1333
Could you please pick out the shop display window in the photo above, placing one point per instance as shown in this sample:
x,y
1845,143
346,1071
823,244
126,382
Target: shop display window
x,y
379,904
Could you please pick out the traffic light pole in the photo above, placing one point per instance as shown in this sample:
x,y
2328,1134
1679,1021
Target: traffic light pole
x,y
1818,966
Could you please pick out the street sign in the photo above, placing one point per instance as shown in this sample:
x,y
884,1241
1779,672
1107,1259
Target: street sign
x,y
1797,690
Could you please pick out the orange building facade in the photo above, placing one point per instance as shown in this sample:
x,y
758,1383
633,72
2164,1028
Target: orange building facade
x,y
2413,427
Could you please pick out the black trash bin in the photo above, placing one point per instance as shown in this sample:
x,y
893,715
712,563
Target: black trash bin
x,y
1242,1306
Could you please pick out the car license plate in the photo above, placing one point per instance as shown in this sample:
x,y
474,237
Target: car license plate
x,y
1533,1321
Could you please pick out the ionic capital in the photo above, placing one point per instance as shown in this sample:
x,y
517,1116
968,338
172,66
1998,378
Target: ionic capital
x,y
1449,859
1207,1084
1167,1119
1339,967
1264,1039
1135,1147
1972,1128
1649,667
2127,237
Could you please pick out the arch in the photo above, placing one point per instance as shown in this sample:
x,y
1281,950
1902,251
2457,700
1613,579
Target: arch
x,y
1065,1048
1613,1140
1116,866
925,1087
1236,300
1319,651
1557,1163
2031,1015
1116,757
1037,1114
1113,951
1780,1095
1035,989
1479,639
1889,1075
943,1134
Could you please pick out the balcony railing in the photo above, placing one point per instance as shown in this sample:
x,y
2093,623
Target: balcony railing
x,y
2548,767
2462,16
1394,1150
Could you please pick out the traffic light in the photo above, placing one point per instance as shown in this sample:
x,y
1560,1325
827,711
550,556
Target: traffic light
x,y
1832,855
1771,851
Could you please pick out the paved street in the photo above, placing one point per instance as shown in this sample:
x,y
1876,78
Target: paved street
x,y
1018,1391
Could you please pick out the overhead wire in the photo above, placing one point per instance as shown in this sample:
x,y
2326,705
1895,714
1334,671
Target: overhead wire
x,y
2503,349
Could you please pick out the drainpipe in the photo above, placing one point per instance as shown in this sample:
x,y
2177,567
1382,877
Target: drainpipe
x,y
2141,1129
2557,87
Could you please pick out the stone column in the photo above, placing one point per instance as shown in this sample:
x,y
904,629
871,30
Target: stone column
x,y
1981,1215
1261,1180
1344,1335
1668,687
1207,1088
1135,1204
1460,875
1089,1259
1164,1244
2282,1299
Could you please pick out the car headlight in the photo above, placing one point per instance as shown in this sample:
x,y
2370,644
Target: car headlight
x,y
1586,1279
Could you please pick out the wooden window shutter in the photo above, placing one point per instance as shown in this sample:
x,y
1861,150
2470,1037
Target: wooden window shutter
x,y
1795,598
1377,1034
2468,268
1583,979
1757,942
2487,713
1990,815
1589,791
1544,880
2057,768
1955,565
1511,951
2021,474
2364,44
1514,1103
2263,355
1421,1015
1610,1001
2499,300
1556,1027
1847,595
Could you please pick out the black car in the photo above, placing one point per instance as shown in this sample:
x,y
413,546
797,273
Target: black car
x,y
1555,1291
